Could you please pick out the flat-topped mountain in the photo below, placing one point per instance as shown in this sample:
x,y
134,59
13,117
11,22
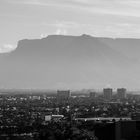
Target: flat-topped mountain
x,y
71,62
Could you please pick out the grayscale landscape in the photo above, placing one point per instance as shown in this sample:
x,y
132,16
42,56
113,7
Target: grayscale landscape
x,y
69,70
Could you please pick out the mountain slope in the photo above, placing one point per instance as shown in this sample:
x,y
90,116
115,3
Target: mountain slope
x,y
70,62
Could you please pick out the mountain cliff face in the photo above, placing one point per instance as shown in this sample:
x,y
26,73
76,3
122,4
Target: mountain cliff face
x,y
59,61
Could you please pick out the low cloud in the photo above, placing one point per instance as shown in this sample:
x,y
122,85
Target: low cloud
x,y
43,35
61,32
7,48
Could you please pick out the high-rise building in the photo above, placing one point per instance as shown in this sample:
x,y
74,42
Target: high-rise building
x,y
107,92
63,94
92,95
121,93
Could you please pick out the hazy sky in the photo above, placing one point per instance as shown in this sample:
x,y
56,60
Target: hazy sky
x,y
21,19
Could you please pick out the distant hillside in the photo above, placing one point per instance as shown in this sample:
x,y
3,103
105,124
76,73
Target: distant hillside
x,y
59,61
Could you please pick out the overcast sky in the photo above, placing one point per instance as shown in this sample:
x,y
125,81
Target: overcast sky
x,y
21,19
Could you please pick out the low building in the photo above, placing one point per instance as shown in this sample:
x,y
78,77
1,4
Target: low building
x,y
53,117
48,118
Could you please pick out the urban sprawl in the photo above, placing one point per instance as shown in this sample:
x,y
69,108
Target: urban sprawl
x,y
69,115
